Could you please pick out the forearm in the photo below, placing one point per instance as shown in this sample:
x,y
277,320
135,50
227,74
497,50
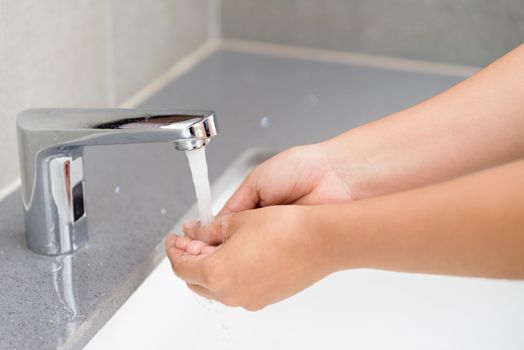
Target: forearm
x,y
476,124
472,226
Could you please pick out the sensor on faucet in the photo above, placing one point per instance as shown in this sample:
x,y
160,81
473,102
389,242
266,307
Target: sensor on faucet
x,y
51,144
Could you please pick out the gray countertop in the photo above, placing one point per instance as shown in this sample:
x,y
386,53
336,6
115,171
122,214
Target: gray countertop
x,y
135,193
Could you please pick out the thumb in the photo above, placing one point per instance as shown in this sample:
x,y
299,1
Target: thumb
x,y
246,196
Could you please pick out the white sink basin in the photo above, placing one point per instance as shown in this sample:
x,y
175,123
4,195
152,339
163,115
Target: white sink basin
x,y
360,309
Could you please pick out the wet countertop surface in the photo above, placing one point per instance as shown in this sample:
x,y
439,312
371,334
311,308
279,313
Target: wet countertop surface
x,y
135,193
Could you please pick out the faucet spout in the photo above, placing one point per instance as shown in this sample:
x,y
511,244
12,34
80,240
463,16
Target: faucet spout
x,y
51,143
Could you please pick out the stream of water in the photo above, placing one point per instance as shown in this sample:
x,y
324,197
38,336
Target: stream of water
x,y
198,165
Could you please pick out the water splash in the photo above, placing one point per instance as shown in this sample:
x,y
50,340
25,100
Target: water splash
x,y
223,331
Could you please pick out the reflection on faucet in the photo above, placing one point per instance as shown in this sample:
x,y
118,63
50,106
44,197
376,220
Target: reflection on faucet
x,y
63,282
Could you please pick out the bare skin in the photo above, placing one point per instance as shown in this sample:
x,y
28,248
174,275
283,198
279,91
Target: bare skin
x,y
437,188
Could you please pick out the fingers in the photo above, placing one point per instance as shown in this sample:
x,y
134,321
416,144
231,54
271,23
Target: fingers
x,y
195,247
214,233
188,267
246,196
191,229
172,250
188,246
181,242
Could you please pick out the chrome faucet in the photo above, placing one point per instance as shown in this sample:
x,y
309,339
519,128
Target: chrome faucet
x,y
51,144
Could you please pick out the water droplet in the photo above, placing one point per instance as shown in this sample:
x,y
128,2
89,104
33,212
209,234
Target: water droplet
x,y
163,211
56,267
117,189
264,121
312,99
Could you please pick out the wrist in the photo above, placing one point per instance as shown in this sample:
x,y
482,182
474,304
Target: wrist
x,y
349,156
333,227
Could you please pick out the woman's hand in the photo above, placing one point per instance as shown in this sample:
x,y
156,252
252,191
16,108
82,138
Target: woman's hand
x,y
268,255
301,175
424,213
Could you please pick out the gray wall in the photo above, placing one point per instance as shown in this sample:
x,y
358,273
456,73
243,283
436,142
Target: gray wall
x,y
466,32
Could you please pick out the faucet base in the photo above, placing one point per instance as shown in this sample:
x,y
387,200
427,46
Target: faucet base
x,y
63,211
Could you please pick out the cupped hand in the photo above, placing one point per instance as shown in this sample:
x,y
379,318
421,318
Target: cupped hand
x,y
302,175
299,175
269,254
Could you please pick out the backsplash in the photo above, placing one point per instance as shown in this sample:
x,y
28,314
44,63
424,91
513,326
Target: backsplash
x,y
465,32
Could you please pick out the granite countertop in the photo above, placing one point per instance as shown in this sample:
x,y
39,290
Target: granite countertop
x,y
135,193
